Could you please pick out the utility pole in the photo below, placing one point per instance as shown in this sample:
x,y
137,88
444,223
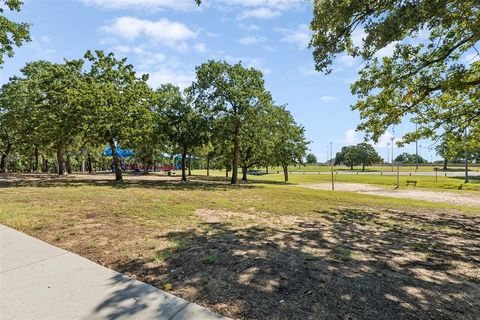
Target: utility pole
x,y
416,146
466,158
392,138
331,157
388,152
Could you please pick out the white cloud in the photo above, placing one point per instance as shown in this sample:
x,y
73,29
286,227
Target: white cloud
x,y
328,98
278,4
165,75
249,40
143,4
200,47
170,33
358,36
249,27
351,137
300,36
246,62
386,51
39,49
347,60
260,13
386,140
121,49
108,41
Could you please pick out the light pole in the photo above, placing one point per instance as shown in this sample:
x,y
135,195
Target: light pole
x,y
331,168
466,158
416,146
388,152
392,138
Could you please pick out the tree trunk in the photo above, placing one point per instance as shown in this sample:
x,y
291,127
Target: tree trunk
x,y
236,152
35,166
244,173
351,167
226,171
145,166
445,163
83,166
89,164
285,172
189,164
116,162
45,165
5,158
266,169
363,167
68,164
184,156
60,161
208,166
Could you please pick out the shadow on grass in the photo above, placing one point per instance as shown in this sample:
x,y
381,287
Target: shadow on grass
x,y
130,181
349,264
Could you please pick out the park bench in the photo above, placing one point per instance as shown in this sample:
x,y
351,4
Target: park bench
x,y
414,182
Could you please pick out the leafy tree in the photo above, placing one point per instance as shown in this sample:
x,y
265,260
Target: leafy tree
x,y
347,156
230,93
362,154
14,118
367,155
11,33
426,76
118,103
409,158
59,119
289,140
452,148
311,159
183,125
255,138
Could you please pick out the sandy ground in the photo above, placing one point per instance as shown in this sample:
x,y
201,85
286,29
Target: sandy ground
x,y
468,199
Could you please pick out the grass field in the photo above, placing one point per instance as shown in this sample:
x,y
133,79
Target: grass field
x,y
428,182
384,168
263,250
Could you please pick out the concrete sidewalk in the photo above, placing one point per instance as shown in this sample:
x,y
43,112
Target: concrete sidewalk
x,y
40,281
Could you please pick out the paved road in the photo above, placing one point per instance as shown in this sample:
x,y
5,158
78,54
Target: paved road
x,y
39,281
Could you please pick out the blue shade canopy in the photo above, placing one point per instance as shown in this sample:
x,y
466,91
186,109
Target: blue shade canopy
x,y
179,157
121,152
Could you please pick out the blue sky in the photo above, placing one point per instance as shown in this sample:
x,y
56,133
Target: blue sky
x,y
168,38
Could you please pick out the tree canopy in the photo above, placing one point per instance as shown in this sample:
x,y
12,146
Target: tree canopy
x,y
85,111
409,158
234,95
429,39
361,154
11,33
311,159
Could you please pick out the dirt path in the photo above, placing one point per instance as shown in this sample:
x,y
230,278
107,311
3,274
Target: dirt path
x,y
469,199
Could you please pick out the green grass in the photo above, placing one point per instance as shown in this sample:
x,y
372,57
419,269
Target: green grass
x,y
171,206
381,168
428,182
211,238
341,253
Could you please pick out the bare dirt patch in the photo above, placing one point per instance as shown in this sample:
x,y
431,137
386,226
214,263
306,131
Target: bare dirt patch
x,y
346,264
468,199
